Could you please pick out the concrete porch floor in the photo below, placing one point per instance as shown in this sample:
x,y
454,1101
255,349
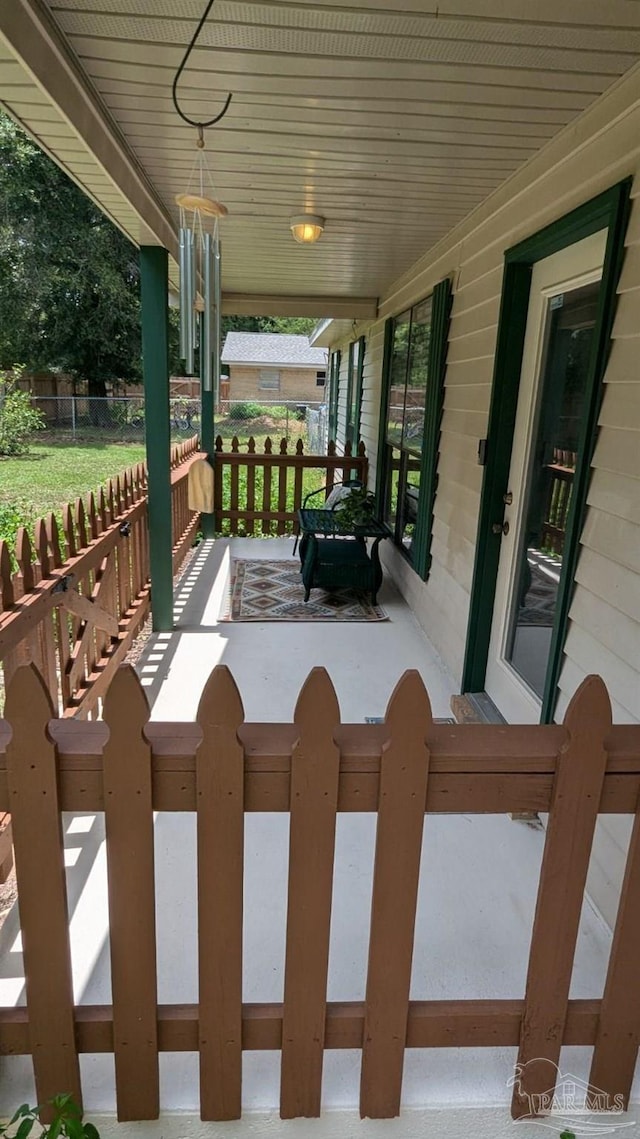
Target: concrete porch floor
x,y
478,880
270,660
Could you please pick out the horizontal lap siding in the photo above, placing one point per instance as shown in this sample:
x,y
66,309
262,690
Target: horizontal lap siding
x,y
296,385
602,148
604,630
442,603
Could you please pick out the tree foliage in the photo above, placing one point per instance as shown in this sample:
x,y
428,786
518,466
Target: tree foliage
x,y
19,420
293,325
69,280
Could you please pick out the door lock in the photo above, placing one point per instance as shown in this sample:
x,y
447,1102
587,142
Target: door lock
x,y
508,498
500,528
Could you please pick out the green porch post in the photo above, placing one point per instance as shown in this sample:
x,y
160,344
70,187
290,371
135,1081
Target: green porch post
x,y
206,437
154,280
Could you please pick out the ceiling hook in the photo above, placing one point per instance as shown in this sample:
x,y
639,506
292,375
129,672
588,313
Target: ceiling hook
x,y
174,86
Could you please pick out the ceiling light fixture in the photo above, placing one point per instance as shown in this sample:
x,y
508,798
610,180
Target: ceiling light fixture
x,y
306,228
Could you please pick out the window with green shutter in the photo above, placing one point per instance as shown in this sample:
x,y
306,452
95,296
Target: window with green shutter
x,y
411,411
354,391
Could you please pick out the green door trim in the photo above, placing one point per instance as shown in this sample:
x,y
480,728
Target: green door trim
x,y
608,210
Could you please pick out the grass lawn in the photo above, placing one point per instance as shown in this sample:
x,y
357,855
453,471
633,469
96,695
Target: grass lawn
x,y
52,475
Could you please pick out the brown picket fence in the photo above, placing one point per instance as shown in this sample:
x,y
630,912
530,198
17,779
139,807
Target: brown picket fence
x,y
76,602
261,492
221,767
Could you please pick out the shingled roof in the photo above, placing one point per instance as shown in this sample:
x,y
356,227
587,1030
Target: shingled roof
x,y
273,349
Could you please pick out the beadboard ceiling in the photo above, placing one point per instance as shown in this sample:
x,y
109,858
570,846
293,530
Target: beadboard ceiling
x,y
391,118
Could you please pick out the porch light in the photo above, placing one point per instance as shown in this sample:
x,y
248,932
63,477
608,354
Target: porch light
x,y
307,228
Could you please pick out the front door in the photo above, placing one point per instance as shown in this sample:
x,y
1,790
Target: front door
x,y
557,367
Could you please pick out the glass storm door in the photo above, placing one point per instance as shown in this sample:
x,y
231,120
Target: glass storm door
x,y
554,386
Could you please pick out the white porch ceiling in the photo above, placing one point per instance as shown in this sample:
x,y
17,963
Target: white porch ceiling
x,y
390,120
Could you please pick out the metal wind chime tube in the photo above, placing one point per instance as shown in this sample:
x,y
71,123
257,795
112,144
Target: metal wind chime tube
x,y
209,314
200,248
188,314
217,301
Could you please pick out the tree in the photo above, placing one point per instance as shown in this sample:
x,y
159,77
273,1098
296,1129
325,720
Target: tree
x,y
294,325
69,280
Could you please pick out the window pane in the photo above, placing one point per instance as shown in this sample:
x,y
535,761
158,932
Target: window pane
x,y
410,501
393,482
418,377
398,377
269,379
353,387
572,319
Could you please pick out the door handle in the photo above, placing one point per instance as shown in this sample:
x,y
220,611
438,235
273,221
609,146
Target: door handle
x,y
508,498
500,528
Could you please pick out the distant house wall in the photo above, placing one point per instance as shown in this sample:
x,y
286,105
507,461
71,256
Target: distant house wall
x,y
295,384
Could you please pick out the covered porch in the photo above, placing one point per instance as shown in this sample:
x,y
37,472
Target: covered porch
x,y
448,940
474,918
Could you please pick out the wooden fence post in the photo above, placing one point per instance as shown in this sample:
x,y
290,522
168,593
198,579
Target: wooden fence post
x,y
220,806
573,815
404,772
132,917
40,875
616,1048
315,768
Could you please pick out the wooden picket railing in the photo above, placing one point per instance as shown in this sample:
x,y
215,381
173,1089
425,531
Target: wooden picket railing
x,y
263,491
221,767
75,610
557,500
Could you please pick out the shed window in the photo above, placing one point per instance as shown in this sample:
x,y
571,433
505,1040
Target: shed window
x,y
321,379
269,379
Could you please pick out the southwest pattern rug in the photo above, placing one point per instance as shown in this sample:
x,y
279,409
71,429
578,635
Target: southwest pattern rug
x,y
273,591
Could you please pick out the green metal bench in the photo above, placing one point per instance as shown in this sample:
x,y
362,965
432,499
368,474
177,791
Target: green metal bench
x,y
333,558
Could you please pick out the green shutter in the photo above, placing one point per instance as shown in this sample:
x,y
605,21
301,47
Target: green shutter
x,y
440,314
355,438
381,464
348,425
334,380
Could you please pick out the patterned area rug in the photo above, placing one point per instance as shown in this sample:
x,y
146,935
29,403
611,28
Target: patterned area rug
x,y
273,591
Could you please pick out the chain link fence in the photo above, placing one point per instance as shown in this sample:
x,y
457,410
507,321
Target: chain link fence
x,y
290,421
121,419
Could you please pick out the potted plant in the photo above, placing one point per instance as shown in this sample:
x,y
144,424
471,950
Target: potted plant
x,y
358,508
65,1121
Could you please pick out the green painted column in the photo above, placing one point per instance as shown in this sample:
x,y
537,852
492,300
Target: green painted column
x,y
206,438
154,280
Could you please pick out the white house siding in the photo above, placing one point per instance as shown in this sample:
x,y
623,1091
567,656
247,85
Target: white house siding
x,y
604,632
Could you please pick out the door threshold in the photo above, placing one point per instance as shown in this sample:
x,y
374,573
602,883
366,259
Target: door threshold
x,y
476,708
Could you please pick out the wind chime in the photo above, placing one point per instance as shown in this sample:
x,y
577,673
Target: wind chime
x,y
200,251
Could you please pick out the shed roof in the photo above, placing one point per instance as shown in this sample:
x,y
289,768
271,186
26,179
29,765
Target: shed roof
x,y
274,349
